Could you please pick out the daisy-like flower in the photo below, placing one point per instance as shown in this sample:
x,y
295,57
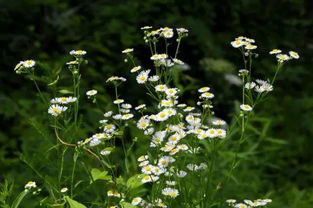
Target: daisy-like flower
x,y
30,185
63,100
146,28
219,122
160,88
127,116
181,174
126,106
231,201
109,128
221,133
136,201
177,61
250,85
139,107
207,95
128,50
108,114
161,116
294,54
146,179
29,63
245,107
237,43
78,52
171,92
91,93
189,108
105,152
275,51
167,33
64,190
241,205
211,133
154,78
143,158
282,57
118,101
250,47
170,192
182,30
158,57
134,69
143,123
203,89
142,77
115,78
56,110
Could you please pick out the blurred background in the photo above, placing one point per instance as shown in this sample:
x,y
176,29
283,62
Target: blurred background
x,y
47,30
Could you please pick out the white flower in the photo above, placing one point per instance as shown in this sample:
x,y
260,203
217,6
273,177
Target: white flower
x,y
146,27
143,123
118,101
128,50
241,205
171,192
221,133
203,89
140,107
109,128
78,52
245,107
105,152
156,57
250,47
171,92
143,158
250,85
189,108
275,51
127,116
211,133
126,106
30,185
294,54
115,78
282,57
160,88
207,95
63,100
161,116
117,117
63,190
182,30
167,33
56,110
29,63
154,78
134,69
108,114
91,93
136,201
218,122
94,142
181,174
142,77
177,61
237,43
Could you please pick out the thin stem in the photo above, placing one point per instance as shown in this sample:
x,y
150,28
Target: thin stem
x,y
177,48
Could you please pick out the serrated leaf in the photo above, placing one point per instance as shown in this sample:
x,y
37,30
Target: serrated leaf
x,y
73,203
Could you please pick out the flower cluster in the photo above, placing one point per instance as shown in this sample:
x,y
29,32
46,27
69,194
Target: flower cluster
x,y
248,203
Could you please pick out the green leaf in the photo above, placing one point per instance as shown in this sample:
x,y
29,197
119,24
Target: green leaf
x,y
99,175
126,205
134,181
73,203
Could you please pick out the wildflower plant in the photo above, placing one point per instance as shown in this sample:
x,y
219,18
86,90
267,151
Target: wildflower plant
x,y
180,164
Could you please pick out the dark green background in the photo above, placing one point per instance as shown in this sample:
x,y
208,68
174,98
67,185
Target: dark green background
x,y
47,30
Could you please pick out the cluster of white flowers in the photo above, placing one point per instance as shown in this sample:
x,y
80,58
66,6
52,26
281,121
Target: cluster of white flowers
x,y
248,203
63,100
244,42
78,53
284,57
24,66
